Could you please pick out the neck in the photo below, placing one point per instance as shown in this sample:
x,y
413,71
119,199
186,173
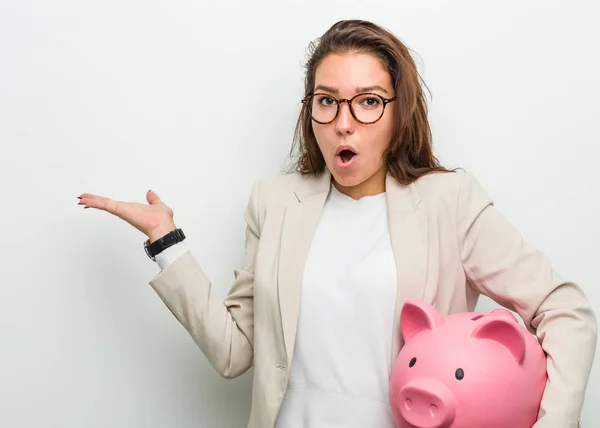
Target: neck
x,y
370,187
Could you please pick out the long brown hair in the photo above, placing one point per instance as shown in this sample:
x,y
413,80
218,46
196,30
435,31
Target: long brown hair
x,y
410,154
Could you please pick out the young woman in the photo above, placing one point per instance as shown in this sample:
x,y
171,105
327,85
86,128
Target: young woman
x,y
368,219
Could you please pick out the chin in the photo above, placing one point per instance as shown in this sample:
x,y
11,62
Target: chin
x,y
358,176
348,180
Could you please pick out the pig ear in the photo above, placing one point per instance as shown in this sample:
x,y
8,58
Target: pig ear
x,y
416,316
506,332
501,312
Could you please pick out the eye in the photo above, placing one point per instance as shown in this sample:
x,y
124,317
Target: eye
x,y
412,362
326,101
459,374
371,102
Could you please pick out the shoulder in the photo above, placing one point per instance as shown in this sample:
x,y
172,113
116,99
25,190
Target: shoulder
x,y
275,189
278,185
457,190
270,192
436,183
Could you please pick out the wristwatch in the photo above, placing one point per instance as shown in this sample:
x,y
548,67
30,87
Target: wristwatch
x,y
161,244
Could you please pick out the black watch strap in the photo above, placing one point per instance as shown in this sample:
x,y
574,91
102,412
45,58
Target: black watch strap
x,y
161,244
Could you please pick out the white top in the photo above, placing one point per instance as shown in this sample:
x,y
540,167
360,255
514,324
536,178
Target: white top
x,y
339,371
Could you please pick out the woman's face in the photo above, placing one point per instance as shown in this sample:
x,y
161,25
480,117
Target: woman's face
x,y
353,151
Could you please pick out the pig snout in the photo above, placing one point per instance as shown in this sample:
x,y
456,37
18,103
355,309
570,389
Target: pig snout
x,y
426,403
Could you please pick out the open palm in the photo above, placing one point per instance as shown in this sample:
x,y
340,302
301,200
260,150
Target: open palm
x,y
153,220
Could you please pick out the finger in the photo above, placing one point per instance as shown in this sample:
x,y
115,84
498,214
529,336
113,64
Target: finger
x,y
88,196
112,206
152,198
105,204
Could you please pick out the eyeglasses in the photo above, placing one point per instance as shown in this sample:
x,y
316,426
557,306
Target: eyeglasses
x,y
366,108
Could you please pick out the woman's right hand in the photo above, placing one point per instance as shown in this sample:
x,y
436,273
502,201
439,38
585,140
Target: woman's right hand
x,y
153,220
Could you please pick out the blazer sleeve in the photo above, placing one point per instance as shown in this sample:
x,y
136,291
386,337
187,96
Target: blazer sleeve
x,y
500,264
223,330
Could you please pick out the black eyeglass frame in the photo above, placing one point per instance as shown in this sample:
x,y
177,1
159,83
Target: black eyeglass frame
x,y
385,101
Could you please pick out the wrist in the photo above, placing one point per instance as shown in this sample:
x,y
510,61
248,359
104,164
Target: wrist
x,y
159,232
162,242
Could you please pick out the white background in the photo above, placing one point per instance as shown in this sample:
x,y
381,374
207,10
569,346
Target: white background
x,y
196,100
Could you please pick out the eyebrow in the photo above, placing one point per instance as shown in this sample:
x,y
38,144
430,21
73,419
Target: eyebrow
x,y
358,89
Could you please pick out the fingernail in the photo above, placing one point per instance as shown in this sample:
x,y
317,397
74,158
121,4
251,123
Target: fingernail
x,y
78,197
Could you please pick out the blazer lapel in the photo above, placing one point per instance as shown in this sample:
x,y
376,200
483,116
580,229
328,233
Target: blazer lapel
x,y
300,221
409,238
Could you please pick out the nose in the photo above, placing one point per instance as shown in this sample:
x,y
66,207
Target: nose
x,y
345,120
426,403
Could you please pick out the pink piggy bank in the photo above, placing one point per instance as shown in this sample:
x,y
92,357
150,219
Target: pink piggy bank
x,y
467,370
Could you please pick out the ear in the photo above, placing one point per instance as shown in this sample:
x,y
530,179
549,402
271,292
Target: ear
x,y
416,316
506,332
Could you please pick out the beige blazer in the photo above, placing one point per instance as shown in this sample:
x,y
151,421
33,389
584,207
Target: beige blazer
x,y
450,245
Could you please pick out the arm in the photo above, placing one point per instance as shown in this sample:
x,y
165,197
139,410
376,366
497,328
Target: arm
x,y
223,330
501,265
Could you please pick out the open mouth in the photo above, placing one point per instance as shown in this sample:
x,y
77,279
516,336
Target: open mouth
x,y
346,155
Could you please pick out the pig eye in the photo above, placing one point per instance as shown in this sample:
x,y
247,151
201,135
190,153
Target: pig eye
x,y
412,362
459,374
